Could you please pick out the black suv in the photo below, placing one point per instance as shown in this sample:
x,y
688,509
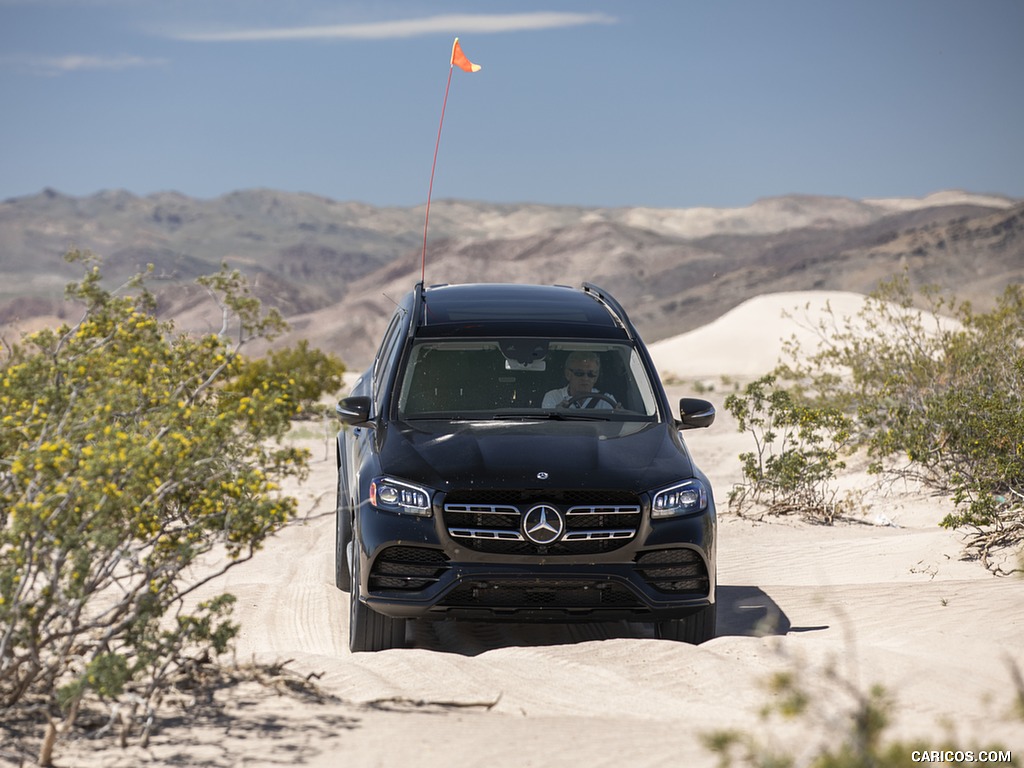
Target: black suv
x,y
513,456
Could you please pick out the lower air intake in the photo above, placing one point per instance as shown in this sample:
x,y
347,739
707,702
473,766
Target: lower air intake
x,y
674,571
407,568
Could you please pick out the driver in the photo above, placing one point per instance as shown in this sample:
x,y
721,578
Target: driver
x,y
581,372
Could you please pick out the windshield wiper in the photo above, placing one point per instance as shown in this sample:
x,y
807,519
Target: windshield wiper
x,y
440,417
561,415
550,415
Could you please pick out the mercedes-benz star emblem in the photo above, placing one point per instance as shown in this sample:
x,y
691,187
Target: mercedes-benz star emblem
x,y
543,525
542,475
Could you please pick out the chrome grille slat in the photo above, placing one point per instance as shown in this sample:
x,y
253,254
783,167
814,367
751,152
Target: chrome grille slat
x,y
485,533
622,533
482,509
601,509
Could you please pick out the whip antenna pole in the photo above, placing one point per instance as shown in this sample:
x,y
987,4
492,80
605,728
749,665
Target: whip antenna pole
x,y
430,188
459,60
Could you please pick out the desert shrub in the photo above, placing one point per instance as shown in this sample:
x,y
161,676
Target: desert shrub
x,y
126,461
937,401
836,723
798,448
304,374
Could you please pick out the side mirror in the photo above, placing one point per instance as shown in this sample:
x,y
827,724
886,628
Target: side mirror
x,y
695,413
354,410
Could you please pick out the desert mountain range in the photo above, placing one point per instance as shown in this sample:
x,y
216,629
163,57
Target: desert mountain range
x,y
334,268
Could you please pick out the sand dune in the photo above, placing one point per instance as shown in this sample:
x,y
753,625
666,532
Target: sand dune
x,y
886,599
748,341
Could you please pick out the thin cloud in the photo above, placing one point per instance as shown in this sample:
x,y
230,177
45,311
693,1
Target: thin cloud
x,y
60,65
462,23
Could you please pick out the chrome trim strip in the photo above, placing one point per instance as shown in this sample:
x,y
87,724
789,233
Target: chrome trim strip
x,y
485,533
604,509
483,509
622,533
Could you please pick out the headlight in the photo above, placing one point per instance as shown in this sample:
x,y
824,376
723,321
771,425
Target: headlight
x,y
397,496
686,498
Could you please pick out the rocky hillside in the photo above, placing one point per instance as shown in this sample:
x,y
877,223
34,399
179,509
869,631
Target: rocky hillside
x,y
334,268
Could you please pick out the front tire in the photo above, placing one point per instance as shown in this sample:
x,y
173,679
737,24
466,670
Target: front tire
x,y
695,629
367,629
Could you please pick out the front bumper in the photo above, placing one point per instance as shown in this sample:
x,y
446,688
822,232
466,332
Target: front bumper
x,y
410,567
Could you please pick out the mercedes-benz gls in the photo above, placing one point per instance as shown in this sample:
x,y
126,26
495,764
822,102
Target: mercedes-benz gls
x,y
511,455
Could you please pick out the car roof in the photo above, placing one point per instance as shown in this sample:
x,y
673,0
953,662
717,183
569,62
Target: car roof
x,y
510,309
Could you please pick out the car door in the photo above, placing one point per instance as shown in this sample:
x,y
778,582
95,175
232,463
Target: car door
x,y
364,438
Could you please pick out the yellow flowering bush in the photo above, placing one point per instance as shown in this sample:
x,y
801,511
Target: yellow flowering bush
x,y
125,456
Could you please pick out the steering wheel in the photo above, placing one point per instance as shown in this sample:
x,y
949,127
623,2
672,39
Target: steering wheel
x,y
571,401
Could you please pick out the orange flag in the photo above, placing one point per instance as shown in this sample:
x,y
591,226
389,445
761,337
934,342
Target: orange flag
x,y
459,59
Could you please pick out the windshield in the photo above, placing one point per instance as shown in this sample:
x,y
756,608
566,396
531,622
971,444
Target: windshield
x,y
525,378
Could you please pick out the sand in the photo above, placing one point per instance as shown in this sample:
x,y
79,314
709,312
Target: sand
x,y
886,598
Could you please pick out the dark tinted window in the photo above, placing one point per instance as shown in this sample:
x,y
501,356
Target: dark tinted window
x,y
385,356
482,377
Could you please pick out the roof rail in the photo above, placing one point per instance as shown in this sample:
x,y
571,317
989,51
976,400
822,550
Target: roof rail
x,y
419,300
613,306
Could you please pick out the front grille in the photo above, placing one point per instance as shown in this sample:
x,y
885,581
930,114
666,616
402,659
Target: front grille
x,y
541,593
492,521
407,568
675,571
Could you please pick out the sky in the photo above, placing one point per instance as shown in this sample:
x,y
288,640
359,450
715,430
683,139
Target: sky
x,y
659,103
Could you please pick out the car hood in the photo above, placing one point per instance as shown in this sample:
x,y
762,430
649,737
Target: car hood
x,y
603,454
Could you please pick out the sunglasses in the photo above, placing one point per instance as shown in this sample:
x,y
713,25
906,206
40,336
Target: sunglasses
x,y
580,374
